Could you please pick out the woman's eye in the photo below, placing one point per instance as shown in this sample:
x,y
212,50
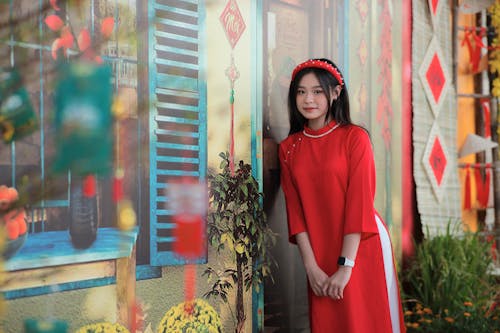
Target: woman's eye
x,y
300,92
317,92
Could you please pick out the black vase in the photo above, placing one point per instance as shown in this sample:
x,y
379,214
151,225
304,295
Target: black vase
x,y
84,220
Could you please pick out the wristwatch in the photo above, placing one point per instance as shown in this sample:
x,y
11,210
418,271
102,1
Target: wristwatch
x,y
343,261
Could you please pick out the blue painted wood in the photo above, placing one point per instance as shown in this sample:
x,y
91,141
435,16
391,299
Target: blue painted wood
x,y
178,120
38,291
256,139
54,248
177,68
145,272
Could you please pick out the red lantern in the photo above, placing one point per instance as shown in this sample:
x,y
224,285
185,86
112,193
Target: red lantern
x,y
189,234
188,200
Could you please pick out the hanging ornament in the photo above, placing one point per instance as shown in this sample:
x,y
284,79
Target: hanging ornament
x,y
126,215
17,117
233,25
188,202
89,186
118,185
485,106
83,119
233,74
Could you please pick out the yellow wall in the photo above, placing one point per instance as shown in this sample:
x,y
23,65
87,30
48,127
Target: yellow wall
x,y
465,115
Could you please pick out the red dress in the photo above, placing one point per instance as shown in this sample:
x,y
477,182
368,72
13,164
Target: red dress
x,y
328,178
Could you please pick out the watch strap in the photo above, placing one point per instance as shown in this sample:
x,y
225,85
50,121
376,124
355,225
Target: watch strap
x,y
343,261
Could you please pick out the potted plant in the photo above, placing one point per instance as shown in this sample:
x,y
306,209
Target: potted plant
x,y
237,225
191,316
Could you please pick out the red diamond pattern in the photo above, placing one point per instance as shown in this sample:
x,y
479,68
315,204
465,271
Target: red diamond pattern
x,y
434,6
437,160
435,77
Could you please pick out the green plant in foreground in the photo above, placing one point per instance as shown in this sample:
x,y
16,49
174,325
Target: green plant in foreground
x,y
448,285
237,225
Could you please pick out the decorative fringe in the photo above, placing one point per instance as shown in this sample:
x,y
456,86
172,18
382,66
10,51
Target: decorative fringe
x,y
483,187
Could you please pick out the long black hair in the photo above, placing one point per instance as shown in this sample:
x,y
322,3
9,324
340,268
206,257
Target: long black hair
x,y
339,109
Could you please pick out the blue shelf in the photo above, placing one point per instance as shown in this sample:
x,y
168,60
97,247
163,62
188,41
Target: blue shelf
x,y
54,248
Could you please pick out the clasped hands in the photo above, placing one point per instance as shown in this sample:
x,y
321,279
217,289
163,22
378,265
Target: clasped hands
x,y
329,286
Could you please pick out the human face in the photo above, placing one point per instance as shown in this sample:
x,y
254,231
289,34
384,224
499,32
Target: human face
x,y
312,101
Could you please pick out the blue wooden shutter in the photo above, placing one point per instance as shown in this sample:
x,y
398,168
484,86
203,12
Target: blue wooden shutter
x,y
177,118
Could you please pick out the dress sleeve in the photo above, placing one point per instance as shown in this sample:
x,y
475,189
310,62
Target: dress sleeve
x,y
359,205
295,215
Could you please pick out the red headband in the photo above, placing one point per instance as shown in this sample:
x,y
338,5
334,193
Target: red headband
x,y
312,63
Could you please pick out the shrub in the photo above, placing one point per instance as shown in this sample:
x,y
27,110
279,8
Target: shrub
x,y
448,285
197,316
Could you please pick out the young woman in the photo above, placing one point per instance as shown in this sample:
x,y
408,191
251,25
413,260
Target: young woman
x,y
328,178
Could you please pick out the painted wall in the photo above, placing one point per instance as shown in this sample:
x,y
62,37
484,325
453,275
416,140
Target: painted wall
x,y
82,307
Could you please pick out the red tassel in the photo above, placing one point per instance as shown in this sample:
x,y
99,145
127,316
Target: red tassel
x,y
89,186
189,282
483,187
118,186
485,103
231,144
467,203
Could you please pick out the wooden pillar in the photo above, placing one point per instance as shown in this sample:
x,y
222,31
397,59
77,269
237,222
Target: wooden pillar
x,y
125,289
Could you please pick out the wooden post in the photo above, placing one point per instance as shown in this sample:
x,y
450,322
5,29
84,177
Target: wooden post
x,y
125,289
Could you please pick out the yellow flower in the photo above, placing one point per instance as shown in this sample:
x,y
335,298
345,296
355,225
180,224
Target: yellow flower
x,y
449,319
467,314
103,327
468,303
408,313
415,325
196,316
428,310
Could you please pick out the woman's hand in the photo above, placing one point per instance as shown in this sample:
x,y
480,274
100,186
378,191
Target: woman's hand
x,y
335,284
317,280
